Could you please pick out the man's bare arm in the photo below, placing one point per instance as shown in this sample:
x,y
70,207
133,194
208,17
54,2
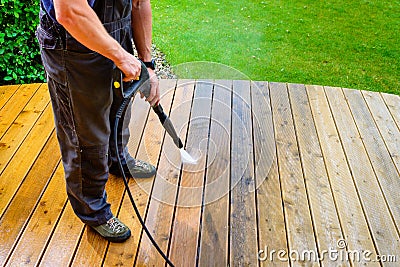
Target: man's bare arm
x,y
79,19
142,28
142,37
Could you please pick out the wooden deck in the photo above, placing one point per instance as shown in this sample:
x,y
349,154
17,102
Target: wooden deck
x,y
302,169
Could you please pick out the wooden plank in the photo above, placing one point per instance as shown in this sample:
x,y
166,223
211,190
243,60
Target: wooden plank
x,y
386,125
161,207
23,159
19,129
20,209
39,229
323,210
393,104
213,249
185,230
15,105
6,92
379,219
149,150
385,170
355,227
271,221
263,131
300,232
91,243
243,222
63,242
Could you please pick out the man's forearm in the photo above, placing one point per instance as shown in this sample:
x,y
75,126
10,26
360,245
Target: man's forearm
x,y
142,31
142,28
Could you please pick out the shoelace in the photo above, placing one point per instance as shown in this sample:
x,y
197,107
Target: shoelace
x,y
140,164
115,225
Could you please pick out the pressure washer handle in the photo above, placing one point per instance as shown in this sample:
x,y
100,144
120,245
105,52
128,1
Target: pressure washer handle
x,y
129,89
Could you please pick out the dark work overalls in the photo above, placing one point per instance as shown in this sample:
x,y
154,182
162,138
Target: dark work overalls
x,y
84,106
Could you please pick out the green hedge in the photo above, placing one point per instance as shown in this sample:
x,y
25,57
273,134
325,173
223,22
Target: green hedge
x,y
19,51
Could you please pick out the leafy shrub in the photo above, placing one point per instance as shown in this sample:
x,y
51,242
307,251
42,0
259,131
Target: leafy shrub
x,y
19,52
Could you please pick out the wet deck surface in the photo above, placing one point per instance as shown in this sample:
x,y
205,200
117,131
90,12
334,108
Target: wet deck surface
x,y
299,168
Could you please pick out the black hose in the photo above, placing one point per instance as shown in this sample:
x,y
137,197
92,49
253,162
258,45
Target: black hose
x,y
121,111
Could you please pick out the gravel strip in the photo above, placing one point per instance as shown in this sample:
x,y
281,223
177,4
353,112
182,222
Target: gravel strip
x,y
163,68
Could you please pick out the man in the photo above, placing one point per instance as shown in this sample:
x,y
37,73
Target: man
x,y
81,42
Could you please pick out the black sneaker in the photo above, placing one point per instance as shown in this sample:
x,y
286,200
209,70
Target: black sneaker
x,y
113,230
134,168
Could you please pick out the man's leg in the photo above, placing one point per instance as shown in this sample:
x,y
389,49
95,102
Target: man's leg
x,y
132,167
81,99
81,120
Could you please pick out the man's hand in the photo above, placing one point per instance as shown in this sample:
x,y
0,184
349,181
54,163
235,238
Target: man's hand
x,y
154,96
129,65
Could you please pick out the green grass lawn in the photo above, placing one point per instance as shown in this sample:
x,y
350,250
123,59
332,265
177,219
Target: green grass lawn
x,y
353,44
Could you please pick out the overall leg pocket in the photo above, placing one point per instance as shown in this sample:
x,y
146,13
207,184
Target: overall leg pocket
x,y
54,64
94,170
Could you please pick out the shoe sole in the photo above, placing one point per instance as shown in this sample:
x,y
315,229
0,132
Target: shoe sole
x,y
129,174
119,174
142,175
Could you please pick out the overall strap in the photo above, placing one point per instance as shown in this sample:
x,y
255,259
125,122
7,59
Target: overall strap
x,y
104,10
108,11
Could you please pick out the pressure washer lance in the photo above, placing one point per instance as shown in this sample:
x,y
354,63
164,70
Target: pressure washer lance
x,y
129,90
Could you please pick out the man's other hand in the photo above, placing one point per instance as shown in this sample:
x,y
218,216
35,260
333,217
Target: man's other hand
x,y
154,96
